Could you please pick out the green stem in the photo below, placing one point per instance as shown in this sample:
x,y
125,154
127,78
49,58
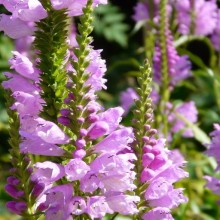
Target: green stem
x,y
217,92
114,216
80,76
143,114
164,91
193,17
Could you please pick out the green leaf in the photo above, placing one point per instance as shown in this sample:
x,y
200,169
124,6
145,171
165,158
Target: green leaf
x,y
198,61
199,134
109,22
128,62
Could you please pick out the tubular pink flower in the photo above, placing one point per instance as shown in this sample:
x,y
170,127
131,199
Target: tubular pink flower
x,y
74,7
189,112
127,98
14,27
76,169
28,10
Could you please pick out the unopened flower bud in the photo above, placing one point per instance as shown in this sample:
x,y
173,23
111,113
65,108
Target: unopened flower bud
x,y
145,139
158,162
13,191
152,131
147,174
147,149
13,170
80,143
93,118
65,112
147,127
16,207
13,180
152,142
64,120
38,189
79,107
147,159
81,120
79,153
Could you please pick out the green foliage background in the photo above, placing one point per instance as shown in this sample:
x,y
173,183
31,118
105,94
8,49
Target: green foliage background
x,y
124,53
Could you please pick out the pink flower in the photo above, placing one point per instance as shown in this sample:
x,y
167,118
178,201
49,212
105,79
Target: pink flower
x,y
23,66
26,103
14,27
141,12
47,172
28,10
213,184
77,205
123,204
110,173
98,129
127,99
18,83
158,213
38,147
58,199
97,207
205,16
74,7
45,130
115,142
161,193
213,147
189,112
76,169
97,68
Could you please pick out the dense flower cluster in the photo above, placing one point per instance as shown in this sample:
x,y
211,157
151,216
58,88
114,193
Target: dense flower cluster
x,y
178,68
149,10
213,151
90,164
197,17
111,169
162,168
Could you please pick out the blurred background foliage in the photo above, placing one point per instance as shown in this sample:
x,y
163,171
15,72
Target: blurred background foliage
x,y
123,50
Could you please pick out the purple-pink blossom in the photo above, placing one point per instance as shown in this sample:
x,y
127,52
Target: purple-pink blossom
x,y
74,8
213,147
216,34
178,66
15,28
204,19
28,10
127,99
186,111
158,213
